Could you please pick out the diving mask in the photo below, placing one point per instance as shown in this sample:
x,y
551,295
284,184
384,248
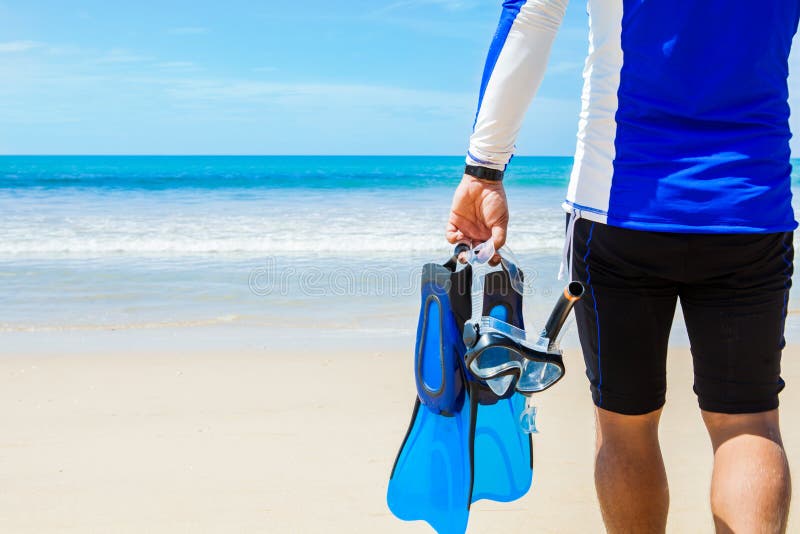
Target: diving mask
x,y
502,355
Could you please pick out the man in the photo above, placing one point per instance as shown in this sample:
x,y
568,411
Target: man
x,y
680,190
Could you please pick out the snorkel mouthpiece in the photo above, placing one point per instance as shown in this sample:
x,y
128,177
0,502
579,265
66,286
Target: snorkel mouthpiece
x,y
527,420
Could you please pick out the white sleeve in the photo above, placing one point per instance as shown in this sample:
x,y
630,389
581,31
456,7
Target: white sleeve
x,y
514,70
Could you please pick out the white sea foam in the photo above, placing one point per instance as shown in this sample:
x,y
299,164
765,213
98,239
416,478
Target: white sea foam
x,y
156,223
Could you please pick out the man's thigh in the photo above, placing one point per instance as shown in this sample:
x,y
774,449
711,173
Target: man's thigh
x,y
625,317
734,293
735,309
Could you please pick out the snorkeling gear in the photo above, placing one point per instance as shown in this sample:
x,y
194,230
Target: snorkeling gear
x,y
505,357
502,354
467,440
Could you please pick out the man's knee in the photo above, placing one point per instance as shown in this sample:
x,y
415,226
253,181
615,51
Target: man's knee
x,y
723,427
629,431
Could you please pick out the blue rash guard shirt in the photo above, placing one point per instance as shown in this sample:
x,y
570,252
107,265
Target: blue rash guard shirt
x,y
684,125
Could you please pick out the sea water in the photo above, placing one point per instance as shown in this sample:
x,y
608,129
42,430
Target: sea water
x,y
268,243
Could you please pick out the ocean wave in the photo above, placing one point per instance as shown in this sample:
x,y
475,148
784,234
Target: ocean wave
x,y
254,245
244,228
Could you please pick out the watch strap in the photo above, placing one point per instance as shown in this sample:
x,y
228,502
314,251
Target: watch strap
x,y
484,173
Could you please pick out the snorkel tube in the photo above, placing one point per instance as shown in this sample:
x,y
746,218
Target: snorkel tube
x,y
572,294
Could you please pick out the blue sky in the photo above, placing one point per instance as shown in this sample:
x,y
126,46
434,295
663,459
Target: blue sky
x,y
202,77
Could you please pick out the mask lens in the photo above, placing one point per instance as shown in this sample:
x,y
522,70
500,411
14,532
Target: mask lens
x,y
499,386
538,376
493,361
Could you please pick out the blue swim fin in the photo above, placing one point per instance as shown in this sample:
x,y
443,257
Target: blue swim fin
x,y
463,444
431,479
503,457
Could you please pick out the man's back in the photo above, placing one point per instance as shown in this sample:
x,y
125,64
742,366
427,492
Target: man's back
x,y
684,124
693,126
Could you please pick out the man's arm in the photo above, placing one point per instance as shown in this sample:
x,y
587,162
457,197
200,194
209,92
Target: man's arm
x,y
514,70
513,73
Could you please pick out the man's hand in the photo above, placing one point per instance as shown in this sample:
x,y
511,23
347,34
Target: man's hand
x,y
479,212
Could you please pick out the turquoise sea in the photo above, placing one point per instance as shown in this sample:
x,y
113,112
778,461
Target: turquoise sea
x,y
277,243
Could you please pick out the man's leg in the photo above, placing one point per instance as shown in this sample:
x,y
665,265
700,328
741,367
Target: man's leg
x,y
751,486
735,313
623,323
629,473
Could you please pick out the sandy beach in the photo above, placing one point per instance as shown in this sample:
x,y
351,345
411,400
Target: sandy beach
x,y
294,439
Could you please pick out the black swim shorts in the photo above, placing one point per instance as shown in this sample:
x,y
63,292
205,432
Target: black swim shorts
x,y
733,289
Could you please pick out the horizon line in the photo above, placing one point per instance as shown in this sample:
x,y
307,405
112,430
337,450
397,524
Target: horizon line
x,y
277,155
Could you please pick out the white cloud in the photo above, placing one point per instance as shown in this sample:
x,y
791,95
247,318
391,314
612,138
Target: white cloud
x,y
177,65
119,55
244,91
64,50
449,5
188,30
564,66
19,46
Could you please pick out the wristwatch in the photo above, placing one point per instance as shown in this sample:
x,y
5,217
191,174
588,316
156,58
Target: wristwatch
x,y
484,173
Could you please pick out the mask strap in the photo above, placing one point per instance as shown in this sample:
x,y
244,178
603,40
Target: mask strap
x,y
479,259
